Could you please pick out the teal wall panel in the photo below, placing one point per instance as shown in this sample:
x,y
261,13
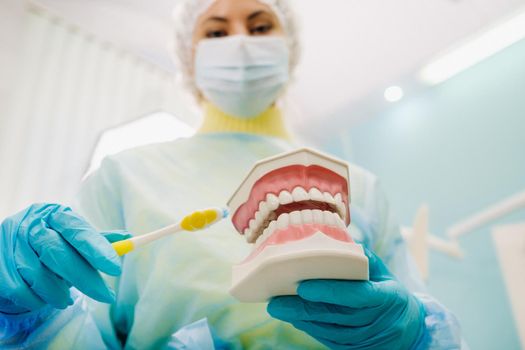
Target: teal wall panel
x,y
459,147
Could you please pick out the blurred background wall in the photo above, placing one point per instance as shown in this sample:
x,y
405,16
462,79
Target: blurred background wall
x,y
11,12
64,87
459,147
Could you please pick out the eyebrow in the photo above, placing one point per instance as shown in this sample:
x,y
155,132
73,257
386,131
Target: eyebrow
x,y
256,14
250,17
218,19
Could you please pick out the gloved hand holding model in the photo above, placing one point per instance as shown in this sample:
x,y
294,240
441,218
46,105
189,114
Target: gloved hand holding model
x,y
375,314
46,249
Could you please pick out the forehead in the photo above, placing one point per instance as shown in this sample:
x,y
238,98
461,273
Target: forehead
x,y
234,8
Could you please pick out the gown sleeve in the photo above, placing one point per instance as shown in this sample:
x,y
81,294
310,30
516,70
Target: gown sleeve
x,y
379,231
49,328
86,323
99,202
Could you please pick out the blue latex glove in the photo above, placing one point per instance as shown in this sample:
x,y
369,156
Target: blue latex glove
x,y
375,314
46,249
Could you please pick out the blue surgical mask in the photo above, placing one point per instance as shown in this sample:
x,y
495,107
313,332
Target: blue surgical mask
x,y
242,75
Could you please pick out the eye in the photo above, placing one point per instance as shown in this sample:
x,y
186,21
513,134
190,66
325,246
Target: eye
x,y
216,34
261,29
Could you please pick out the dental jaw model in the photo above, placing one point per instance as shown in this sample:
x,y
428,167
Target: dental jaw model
x,y
294,209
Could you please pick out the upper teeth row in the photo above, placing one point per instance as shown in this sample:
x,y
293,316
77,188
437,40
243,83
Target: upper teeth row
x,y
298,194
306,216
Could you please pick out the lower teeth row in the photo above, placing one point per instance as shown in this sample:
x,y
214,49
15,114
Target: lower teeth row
x,y
307,216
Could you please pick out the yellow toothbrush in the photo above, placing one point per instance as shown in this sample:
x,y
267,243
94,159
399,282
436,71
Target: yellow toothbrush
x,y
193,222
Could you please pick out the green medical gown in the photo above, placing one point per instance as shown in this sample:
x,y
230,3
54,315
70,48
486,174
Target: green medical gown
x,y
179,280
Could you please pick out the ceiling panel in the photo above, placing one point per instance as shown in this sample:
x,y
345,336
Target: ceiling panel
x,y
350,47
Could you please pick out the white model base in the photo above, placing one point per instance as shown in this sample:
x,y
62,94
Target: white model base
x,y
279,268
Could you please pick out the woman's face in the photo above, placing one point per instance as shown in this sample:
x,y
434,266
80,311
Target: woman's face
x,y
236,17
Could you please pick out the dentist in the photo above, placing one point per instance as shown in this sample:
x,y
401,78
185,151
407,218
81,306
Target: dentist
x,y
63,287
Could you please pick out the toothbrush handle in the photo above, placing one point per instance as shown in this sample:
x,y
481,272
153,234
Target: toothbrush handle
x,y
128,245
195,221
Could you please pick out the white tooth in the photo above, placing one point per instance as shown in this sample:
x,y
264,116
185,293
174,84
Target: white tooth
x,y
328,198
263,233
307,216
258,221
295,218
338,222
343,213
263,208
328,218
299,194
336,218
256,239
261,238
341,209
266,233
252,225
273,226
248,234
318,216
253,237
315,194
285,197
283,221
273,201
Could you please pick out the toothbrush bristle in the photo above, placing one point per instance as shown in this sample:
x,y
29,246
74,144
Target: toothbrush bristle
x,y
225,212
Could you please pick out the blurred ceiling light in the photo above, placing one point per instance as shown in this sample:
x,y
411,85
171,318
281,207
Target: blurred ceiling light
x,y
152,128
393,94
475,50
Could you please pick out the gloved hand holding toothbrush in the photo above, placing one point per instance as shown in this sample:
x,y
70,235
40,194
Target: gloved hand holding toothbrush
x,y
47,248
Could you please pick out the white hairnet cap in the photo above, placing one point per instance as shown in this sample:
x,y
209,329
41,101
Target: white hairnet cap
x,y
185,17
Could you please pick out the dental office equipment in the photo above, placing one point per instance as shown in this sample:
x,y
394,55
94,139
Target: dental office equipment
x,y
294,208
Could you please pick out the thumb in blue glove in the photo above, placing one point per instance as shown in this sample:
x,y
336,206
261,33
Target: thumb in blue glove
x,y
48,248
376,314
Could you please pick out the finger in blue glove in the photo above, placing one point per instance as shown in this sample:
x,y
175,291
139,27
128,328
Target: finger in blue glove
x,y
375,314
48,248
